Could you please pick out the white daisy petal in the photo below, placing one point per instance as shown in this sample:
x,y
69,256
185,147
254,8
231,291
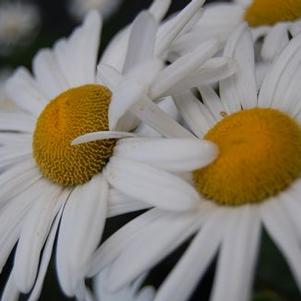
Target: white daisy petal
x,y
159,120
14,212
134,85
284,67
17,178
194,262
212,71
283,233
16,122
195,114
147,294
174,73
14,139
115,245
212,101
12,235
141,41
77,56
33,235
101,136
84,213
7,158
233,279
275,41
262,70
127,94
84,42
109,76
10,292
83,292
64,58
290,203
31,89
150,185
120,203
290,102
128,293
19,89
240,89
170,154
145,73
159,8
166,234
295,28
36,291
48,74
170,32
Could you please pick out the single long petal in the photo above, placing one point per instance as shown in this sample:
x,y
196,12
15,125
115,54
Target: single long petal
x,y
240,90
233,280
77,55
151,185
84,213
283,233
173,154
141,41
101,136
152,115
36,291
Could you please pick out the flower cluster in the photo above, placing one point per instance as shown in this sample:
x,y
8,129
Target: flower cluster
x,y
196,120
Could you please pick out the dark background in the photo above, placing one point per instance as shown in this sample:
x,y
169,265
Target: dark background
x,y
273,279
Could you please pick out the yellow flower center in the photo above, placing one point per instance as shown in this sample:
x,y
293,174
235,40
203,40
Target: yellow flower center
x,y
73,113
270,12
260,155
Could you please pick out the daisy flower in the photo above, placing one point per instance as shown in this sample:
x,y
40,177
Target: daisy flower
x,y
132,292
79,8
273,20
18,24
253,183
51,187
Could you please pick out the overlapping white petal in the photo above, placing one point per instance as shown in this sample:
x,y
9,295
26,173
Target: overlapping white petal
x,y
84,213
150,185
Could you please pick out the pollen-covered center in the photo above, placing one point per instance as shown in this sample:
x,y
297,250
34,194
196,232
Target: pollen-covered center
x,y
270,12
73,113
259,156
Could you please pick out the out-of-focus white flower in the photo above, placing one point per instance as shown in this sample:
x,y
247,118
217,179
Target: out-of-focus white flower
x,y
78,8
18,24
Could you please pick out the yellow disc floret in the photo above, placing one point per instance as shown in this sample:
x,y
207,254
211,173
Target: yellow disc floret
x,y
73,113
270,12
260,155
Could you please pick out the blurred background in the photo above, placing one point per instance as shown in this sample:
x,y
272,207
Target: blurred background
x,y
27,26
